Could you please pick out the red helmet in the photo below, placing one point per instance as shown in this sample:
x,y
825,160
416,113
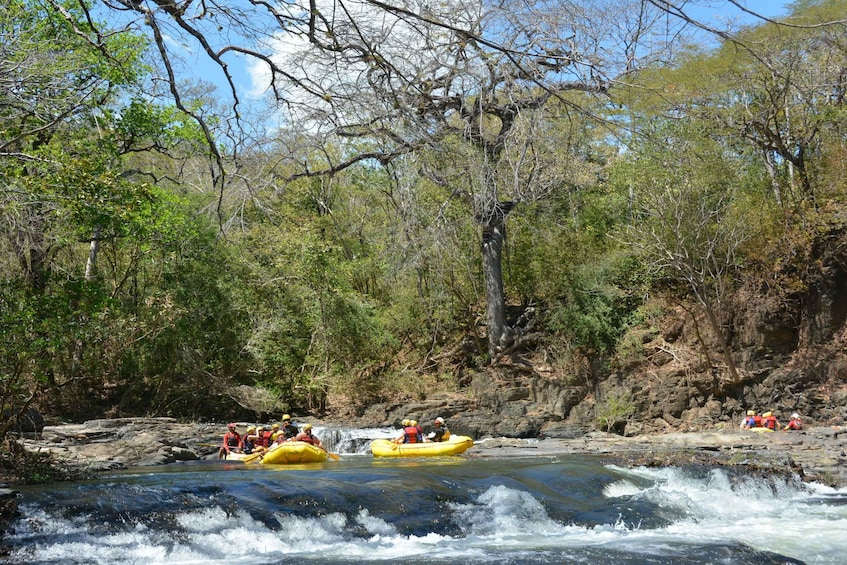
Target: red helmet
x,y
232,426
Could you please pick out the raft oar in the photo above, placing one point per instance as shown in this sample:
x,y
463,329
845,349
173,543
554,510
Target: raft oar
x,y
256,456
252,457
333,456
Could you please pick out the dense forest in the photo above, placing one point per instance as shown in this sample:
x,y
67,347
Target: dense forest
x,y
173,248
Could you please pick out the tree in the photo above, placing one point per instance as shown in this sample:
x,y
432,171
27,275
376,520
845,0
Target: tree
x,y
779,87
78,175
393,78
685,224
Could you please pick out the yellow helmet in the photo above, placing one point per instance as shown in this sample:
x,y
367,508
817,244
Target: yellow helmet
x,y
286,417
751,412
413,422
251,429
405,422
307,427
275,427
767,414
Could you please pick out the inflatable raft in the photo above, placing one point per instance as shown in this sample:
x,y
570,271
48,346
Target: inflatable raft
x,y
293,452
453,446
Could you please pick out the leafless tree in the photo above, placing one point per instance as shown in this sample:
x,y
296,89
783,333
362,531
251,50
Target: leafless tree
x,y
382,79
692,237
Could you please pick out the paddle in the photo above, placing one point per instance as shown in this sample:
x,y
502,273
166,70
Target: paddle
x,y
252,457
256,456
333,456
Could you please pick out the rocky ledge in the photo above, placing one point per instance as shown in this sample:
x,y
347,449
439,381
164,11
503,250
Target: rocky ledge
x,y
815,454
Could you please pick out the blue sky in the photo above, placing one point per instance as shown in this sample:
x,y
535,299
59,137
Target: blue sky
x,y
199,67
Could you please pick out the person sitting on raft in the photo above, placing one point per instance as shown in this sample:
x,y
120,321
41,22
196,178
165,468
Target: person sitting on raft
x,y
306,435
439,432
232,442
401,437
411,433
288,431
247,441
795,423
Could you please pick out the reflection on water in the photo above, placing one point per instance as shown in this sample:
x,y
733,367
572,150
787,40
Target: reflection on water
x,y
445,510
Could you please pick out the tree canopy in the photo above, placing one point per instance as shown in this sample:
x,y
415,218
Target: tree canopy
x,y
171,250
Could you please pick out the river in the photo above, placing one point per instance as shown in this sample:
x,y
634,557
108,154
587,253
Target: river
x,y
572,509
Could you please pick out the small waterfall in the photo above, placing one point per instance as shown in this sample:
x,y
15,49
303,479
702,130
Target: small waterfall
x,y
352,440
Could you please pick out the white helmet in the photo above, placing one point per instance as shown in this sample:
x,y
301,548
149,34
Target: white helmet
x,y
795,416
439,420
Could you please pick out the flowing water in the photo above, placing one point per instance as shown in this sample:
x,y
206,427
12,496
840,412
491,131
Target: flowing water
x,y
360,509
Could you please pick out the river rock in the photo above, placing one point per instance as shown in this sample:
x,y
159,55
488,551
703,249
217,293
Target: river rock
x,y
815,454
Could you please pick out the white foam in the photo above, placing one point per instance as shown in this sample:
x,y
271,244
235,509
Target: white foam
x,y
785,518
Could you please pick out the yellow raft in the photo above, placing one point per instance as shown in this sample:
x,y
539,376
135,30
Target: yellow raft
x,y
453,446
294,452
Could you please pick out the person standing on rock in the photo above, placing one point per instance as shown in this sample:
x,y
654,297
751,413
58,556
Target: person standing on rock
x,y
232,442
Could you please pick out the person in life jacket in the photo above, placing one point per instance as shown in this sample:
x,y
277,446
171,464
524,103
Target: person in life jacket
x,y
274,432
420,430
412,433
439,432
795,423
749,421
306,435
247,440
265,436
769,421
288,430
232,442
757,421
401,437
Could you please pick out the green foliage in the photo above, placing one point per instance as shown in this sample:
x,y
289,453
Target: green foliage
x,y
614,409
589,287
369,282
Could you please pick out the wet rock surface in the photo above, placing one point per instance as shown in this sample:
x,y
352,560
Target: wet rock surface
x,y
815,454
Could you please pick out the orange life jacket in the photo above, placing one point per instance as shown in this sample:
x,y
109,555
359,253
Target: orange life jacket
x,y
413,434
307,437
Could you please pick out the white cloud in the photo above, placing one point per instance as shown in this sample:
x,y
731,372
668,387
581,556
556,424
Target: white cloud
x,y
412,47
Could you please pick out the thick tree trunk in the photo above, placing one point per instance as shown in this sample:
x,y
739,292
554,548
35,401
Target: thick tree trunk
x,y
493,236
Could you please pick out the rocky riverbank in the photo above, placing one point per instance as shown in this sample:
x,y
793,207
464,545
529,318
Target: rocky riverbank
x,y
815,454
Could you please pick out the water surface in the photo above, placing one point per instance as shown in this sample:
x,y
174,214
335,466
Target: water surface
x,y
429,511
